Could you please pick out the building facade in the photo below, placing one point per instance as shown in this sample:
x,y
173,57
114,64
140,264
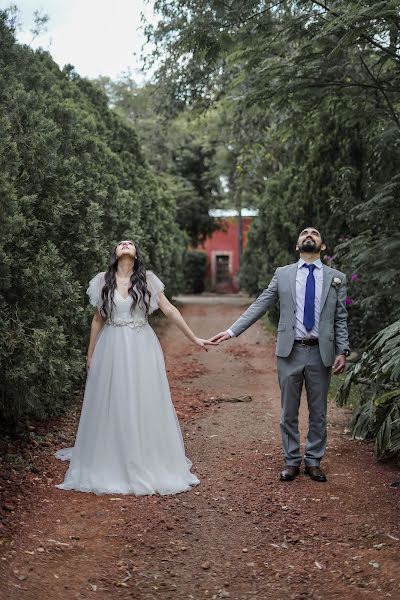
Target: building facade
x,y
222,250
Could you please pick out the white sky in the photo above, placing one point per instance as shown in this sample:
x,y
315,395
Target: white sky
x,y
96,36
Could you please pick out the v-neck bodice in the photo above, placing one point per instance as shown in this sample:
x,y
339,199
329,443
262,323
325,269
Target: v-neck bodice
x,y
126,298
121,311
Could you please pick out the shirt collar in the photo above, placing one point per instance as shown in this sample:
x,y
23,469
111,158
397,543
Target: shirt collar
x,y
317,263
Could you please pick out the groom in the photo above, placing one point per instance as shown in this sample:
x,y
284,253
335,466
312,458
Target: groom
x,y
312,342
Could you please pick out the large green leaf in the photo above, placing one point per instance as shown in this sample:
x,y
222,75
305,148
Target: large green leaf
x,y
376,375
360,424
388,437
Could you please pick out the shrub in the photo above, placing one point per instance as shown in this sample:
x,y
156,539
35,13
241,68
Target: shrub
x,y
194,270
377,375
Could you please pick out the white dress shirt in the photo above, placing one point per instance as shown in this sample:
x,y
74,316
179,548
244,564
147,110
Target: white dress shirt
x,y
301,279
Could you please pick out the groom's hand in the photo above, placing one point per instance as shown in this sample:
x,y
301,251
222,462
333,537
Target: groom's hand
x,y
220,337
339,364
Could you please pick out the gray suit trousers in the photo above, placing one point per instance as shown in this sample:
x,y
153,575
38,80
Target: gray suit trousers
x,y
303,365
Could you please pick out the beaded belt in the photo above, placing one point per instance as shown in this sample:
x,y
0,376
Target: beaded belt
x,y
132,324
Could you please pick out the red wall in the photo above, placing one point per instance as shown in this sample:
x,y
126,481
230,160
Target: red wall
x,y
225,241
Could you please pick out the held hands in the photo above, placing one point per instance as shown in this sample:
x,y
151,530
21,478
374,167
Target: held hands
x,y
220,337
203,343
339,364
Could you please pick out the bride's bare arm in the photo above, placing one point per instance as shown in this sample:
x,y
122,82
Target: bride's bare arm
x,y
95,328
172,313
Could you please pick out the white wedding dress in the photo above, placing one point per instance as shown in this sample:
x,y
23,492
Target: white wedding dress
x,y
129,440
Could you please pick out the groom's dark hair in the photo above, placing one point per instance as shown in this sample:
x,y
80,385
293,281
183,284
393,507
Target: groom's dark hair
x,y
311,227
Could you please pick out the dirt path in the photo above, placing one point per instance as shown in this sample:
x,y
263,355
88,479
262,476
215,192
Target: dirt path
x,y
241,534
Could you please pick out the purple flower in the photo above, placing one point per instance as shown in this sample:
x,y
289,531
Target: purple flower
x,y
329,258
349,301
355,277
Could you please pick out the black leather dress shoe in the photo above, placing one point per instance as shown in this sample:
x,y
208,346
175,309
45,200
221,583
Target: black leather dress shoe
x,y
289,473
315,473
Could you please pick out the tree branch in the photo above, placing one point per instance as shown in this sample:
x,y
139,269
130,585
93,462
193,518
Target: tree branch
x,y
366,37
252,16
317,84
383,92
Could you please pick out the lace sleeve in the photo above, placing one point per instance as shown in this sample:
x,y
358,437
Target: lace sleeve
x,y
155,287
94,290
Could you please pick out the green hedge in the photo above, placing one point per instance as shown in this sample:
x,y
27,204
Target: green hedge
x,y
72,182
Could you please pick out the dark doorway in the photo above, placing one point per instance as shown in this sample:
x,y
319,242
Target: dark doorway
x,y
222,268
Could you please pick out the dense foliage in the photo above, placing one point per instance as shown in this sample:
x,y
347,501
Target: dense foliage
x,y
73,180
308,93
181,149
377,379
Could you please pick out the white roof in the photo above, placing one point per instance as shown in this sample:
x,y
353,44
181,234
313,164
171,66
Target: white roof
x,y
232,212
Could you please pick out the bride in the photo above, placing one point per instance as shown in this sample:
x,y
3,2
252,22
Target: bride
x,y
128,440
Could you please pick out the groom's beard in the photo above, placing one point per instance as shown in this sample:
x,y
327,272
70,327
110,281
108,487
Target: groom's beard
x,y
310,246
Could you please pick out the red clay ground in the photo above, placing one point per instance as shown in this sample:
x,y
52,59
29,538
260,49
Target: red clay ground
x,y
241,534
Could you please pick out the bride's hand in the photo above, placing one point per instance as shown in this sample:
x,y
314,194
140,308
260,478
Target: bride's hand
x,y
88,362
203,343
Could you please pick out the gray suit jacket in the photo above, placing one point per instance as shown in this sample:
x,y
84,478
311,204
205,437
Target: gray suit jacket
x,y
333,335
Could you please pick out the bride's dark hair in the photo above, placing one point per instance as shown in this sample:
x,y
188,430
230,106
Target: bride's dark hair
x,y
138,288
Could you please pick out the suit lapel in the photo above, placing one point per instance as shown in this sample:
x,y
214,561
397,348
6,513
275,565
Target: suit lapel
x,y
293,275
326,284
